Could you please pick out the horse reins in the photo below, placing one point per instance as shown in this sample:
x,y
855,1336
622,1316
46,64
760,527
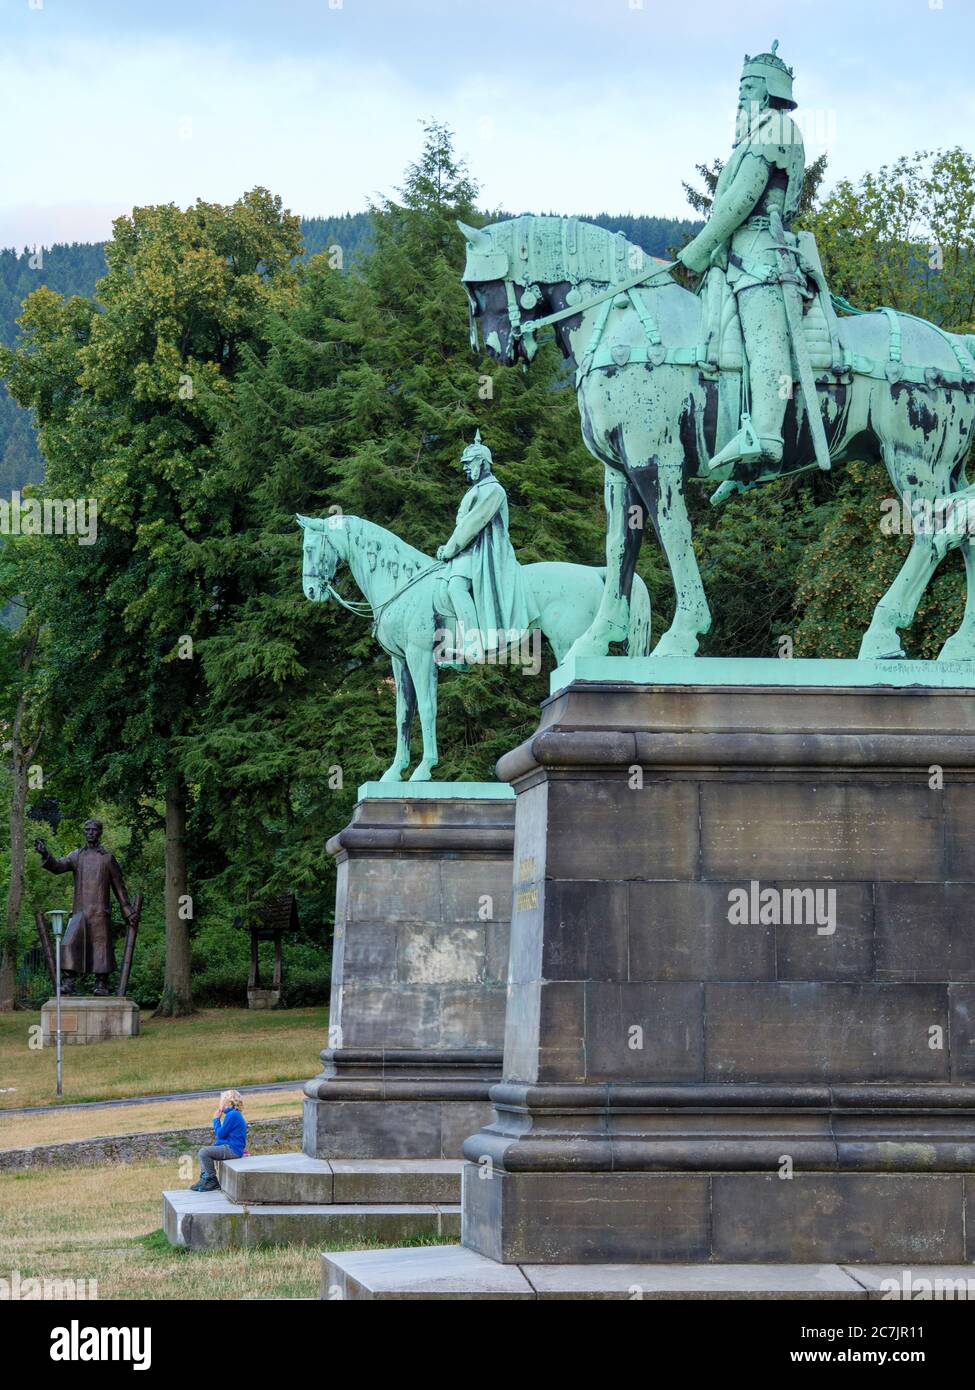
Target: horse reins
x,y
365,609
521,327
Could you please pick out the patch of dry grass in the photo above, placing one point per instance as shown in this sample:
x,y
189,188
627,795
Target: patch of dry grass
x,y
210,1050
62,1126
103,1223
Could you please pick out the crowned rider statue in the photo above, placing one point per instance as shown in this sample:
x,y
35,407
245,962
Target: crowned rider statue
x,y
485,586
756,197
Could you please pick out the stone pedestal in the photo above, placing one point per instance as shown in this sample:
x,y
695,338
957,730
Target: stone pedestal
x,y
87,1019
419,972
741,1012
263,997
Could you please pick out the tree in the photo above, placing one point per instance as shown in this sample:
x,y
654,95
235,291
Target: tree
x,y
702,199
364,400
23,729
904,237
129,393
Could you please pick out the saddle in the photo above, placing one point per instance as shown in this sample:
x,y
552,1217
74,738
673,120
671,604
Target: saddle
x,y
448,653
831,355
724,344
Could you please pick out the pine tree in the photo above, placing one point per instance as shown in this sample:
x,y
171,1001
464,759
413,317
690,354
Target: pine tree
x,y
364,401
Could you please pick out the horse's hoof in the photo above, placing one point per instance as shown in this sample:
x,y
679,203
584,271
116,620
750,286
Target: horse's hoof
x,y
675,645
583,648
392,774
957,650
424,773
876,651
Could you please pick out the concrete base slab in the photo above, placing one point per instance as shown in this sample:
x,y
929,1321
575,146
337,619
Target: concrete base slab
x,y
295,1178
436,1272
428,1272
917,1283
210,1221
640,1281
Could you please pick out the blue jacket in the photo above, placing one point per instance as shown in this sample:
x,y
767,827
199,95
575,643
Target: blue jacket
x,y
233,1131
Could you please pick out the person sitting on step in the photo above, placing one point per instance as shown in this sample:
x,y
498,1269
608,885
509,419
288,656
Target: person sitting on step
x,y
230,1139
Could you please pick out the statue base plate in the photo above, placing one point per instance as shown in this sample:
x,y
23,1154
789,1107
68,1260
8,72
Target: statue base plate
x,y
764,671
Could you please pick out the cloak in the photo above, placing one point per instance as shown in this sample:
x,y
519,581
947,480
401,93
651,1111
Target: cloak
x,y
481,551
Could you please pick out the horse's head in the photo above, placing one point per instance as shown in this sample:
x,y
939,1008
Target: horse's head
x,y
528,268
500,290
319,559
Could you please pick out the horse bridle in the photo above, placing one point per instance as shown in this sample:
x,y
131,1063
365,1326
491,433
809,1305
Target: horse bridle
x,y
363,608
520,329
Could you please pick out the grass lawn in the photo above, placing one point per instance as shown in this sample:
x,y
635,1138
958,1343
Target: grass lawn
x,y
61,1126
212,1050
103,1223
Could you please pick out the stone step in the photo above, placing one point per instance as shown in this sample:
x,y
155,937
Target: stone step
x,y
454,1272
294,1178
210,1221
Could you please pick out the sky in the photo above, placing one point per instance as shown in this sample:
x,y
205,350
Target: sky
x,y
557,105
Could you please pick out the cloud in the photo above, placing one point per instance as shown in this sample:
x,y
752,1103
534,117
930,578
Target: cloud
x,y
577,106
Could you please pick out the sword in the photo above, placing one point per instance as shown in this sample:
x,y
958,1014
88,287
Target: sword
x,y
133,925
793,313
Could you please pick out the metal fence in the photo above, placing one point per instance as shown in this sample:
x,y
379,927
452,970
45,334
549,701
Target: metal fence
x,y
33,982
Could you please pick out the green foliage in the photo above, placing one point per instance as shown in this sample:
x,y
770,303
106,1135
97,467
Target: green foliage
x,y
806,557
364,400
129,394
904,236
750,551
316,386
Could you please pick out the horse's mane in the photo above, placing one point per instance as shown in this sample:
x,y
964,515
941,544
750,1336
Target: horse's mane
x,y
360,526
540,248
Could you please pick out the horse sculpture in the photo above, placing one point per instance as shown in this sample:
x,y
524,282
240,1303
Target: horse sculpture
x,y
404,595
660,391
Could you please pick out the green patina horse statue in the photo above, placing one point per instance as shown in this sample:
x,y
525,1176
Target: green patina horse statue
x,y
405,597
659,384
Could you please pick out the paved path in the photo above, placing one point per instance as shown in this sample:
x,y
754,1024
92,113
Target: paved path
x,y
149,1100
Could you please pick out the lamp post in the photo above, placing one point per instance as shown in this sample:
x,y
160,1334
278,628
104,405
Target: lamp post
x,y
57,916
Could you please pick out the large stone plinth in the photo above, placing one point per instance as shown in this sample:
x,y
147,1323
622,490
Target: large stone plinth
x,y
419,972
698,1068
89,1018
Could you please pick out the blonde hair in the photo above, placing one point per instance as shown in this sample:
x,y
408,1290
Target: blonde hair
x,y
233,1098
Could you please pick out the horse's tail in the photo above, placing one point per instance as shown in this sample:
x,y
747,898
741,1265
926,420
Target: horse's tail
x,y
640,617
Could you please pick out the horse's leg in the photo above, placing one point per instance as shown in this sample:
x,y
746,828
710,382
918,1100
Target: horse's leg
x,y
897,607
662,488
960,646
612,620
423,670
405,710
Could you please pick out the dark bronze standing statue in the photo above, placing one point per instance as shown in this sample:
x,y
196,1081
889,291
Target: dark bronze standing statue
x,y
87,946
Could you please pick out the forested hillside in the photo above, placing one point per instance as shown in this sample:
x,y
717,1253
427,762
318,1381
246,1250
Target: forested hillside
x,y
76,268
219,708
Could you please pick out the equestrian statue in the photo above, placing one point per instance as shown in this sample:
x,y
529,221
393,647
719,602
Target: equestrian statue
x,y
474,603
752,377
